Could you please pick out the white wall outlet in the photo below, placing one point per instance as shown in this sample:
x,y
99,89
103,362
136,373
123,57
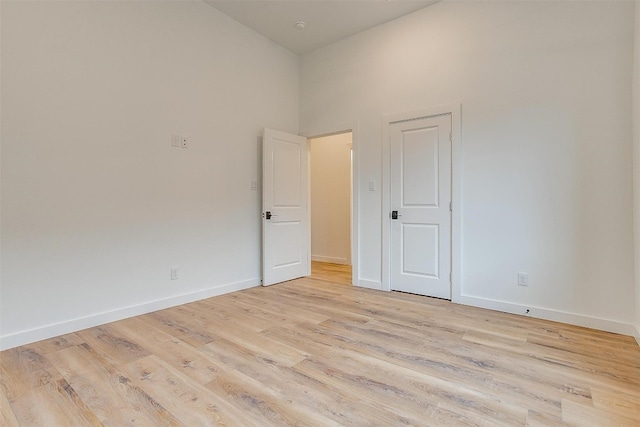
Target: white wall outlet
x,y
523,279
175,140
184,141
175,273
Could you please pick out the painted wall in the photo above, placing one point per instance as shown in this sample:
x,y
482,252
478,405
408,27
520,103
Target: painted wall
x,y
636,163
97,206
331,198
546,143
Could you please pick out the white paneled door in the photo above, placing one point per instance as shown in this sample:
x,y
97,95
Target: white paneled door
x,y
420,232
285,215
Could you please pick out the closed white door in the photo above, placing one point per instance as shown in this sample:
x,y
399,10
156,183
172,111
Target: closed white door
x,y
420,231
285,215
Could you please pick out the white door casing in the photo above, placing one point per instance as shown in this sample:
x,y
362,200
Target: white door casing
x,y
285,214
420,201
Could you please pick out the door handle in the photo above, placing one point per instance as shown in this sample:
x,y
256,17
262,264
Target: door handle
x,y
269,215
395,215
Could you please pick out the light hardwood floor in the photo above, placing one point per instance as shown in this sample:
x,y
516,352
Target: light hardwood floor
x,y
336,273
314,353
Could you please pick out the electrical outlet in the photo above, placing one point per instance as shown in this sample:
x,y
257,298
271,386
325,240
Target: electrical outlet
x,y
523,279
175,273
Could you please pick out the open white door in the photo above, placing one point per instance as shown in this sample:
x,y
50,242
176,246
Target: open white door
x,y
285,214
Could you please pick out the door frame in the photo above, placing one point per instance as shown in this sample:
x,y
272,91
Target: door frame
x,y
328,130
456,191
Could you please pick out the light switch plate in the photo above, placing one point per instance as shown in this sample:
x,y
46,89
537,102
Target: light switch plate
x,y
523,279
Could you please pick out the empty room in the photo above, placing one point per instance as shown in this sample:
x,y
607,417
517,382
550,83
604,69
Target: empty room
x,y
319,213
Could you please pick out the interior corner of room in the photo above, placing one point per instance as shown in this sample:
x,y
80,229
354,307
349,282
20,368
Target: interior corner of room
x,y
131,177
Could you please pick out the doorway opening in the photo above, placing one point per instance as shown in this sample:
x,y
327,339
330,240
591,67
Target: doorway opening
x,y
331,194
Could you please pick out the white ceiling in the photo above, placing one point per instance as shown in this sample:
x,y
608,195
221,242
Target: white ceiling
x,y
327,21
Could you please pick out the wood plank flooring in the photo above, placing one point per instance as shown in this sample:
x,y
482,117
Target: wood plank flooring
x,y
336,273
315,353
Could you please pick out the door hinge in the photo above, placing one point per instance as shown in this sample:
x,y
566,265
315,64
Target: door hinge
x,y
450,206
451,136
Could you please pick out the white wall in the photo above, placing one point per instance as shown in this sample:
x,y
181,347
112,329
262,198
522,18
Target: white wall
x,y
96,204
331,198
636,163
546,143
1,170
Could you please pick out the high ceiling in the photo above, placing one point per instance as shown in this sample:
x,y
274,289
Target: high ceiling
x,y
326,21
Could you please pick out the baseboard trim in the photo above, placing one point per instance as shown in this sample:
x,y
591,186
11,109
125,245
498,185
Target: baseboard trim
x,y
637,334
370,284
553,315
74,325
332,260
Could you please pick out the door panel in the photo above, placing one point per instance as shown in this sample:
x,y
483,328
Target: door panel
x,y
421,194
420,247
286,174
420,167
285,230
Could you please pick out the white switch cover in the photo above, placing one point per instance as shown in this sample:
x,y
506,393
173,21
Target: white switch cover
x,y
254,185
175,140
523,279
175,273
372,186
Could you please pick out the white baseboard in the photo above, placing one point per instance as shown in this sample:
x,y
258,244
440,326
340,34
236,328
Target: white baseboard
x,y
547,314
332,260
54,330
73,325
370,284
